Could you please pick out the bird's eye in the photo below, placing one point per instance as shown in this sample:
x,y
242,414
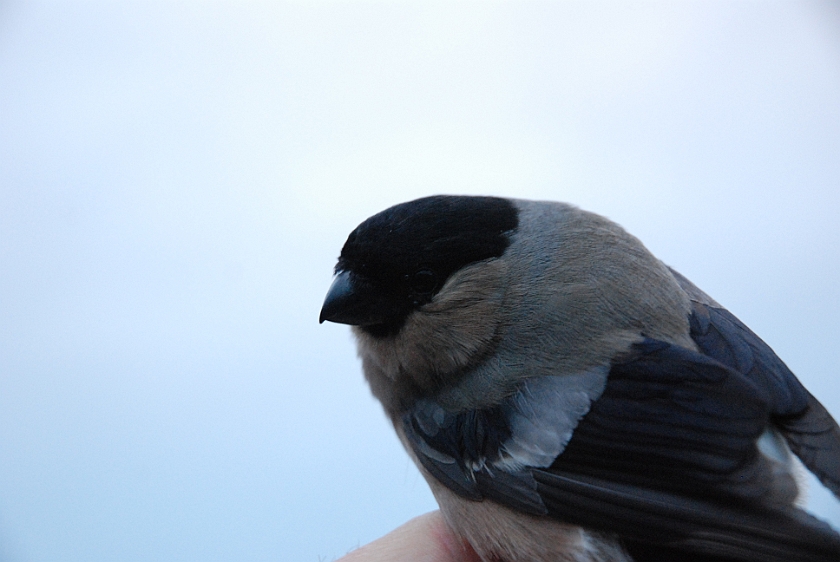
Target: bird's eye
x,y
424,281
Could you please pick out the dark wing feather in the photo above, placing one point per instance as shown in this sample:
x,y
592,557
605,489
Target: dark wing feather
x,y
809,429
451,445
666,457
661,526
672,419
815,438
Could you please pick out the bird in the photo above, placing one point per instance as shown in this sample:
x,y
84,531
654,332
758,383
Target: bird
x,y
569,397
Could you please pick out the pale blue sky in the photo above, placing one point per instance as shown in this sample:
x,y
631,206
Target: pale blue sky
x,y
177,179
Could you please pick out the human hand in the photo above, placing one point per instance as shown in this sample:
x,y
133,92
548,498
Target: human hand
x,y
423,539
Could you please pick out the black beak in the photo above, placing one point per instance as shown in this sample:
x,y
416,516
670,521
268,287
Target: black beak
x,y
352,300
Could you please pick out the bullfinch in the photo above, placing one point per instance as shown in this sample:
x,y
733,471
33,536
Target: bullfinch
x,y
569,397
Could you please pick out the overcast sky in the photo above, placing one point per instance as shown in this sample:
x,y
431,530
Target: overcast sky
x,y
177,179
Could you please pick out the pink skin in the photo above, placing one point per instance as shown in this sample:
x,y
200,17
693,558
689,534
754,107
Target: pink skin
x,y
423,539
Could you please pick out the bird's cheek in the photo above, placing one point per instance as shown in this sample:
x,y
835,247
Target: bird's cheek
x,y
456,329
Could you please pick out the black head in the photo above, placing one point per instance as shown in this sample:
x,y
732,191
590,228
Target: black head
x,y
397,260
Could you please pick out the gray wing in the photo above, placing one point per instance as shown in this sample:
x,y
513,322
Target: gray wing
x,y
666,457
